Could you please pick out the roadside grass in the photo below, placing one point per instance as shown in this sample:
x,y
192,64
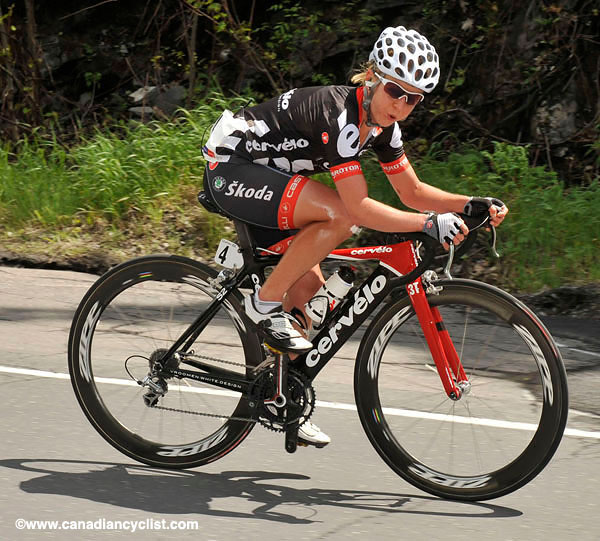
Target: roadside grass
x,y
133,191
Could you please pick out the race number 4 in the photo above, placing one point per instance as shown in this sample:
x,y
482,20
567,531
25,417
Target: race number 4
x,y
228,255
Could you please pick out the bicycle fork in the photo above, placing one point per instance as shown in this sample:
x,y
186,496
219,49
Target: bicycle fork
x,y
440,344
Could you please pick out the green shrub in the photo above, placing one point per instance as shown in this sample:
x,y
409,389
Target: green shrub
x,y
550,237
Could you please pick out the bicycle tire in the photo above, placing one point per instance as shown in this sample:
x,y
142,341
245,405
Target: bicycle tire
x,y
132,311
493,440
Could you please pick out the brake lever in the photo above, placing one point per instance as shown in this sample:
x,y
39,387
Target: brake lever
x,y
493,243
451,250
449,262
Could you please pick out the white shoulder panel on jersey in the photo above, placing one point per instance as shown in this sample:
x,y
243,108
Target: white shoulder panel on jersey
x,y
396,140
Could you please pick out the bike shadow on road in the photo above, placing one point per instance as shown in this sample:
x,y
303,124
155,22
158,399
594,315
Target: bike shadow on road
x,y
185,492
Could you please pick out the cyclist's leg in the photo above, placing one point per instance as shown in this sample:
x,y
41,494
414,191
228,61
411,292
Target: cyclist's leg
x,y
274,199
303,290
324,223
271,198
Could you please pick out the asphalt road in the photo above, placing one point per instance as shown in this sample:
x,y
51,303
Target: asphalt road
x,y
55,467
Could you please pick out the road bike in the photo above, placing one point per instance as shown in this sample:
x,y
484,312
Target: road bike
x,y
458,385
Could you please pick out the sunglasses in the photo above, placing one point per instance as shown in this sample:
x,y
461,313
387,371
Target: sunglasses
x,y
395,91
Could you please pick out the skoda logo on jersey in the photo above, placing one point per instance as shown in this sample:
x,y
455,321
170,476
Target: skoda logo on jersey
x,y
219,184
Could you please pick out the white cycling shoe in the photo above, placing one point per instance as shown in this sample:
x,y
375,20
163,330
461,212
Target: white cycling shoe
x,y
276,325
310,434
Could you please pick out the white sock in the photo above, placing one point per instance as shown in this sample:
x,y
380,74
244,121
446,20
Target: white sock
x,y
264,306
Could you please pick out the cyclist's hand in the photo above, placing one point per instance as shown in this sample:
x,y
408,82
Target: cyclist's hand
x,y
481,206
446,228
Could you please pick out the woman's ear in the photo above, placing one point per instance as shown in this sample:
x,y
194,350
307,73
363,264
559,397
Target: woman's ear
x,y
369,79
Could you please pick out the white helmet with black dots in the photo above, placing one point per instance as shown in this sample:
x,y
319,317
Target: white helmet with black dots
x,y
408,56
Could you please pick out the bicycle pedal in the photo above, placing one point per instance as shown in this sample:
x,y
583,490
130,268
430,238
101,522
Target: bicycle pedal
x,y
272,349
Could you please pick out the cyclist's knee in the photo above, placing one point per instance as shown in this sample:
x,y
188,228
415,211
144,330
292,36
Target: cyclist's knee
x,y
342,222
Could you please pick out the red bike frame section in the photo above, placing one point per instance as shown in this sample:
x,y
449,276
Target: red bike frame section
x,y
401,258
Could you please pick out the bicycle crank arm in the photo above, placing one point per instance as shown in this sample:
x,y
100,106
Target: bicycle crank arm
x,y
291,437
279,399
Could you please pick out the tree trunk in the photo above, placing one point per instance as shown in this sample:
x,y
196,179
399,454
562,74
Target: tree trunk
x,y
35,53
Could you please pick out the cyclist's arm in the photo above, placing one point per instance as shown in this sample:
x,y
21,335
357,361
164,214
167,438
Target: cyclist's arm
x,y
370,213
420,196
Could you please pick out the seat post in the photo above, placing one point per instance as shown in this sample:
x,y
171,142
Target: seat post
x,y
246,241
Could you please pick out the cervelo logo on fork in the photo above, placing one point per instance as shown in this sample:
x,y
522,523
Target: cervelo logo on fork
x,y
362,299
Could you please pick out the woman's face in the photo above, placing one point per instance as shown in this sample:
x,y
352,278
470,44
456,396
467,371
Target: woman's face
x,y
385,110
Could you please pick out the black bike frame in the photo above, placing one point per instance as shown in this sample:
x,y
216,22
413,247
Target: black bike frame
x,y
337,329
339,326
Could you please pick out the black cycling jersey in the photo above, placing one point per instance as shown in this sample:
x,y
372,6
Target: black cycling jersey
x,y
305,130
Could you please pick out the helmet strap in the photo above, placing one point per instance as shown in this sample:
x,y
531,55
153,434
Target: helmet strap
x,y
370,89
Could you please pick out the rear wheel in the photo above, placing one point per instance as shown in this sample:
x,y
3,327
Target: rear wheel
x,y
501,433
127,321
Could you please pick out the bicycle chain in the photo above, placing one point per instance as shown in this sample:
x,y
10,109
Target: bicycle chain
x,y
203,414
193,356
264,423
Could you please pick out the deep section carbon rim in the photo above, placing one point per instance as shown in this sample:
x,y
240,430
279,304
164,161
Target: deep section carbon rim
x,y
504,429
127,318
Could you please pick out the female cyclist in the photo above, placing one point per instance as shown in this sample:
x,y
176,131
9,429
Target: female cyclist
x,y
259,160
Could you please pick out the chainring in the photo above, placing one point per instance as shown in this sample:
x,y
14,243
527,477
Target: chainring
x,y
301,400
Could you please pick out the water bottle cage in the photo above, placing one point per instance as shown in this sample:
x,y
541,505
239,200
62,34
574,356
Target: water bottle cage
x,y
322,311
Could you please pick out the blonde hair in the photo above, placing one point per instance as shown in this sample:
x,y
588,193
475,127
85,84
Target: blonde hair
x,y
360,77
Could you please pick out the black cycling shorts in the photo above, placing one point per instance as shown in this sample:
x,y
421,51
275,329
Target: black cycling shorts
x,y
253,193
257,195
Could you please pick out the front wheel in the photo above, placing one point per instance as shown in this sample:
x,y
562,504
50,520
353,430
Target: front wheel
x,y
501,433
127,321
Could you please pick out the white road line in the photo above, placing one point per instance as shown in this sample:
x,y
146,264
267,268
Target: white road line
x,y
333,405
564,346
